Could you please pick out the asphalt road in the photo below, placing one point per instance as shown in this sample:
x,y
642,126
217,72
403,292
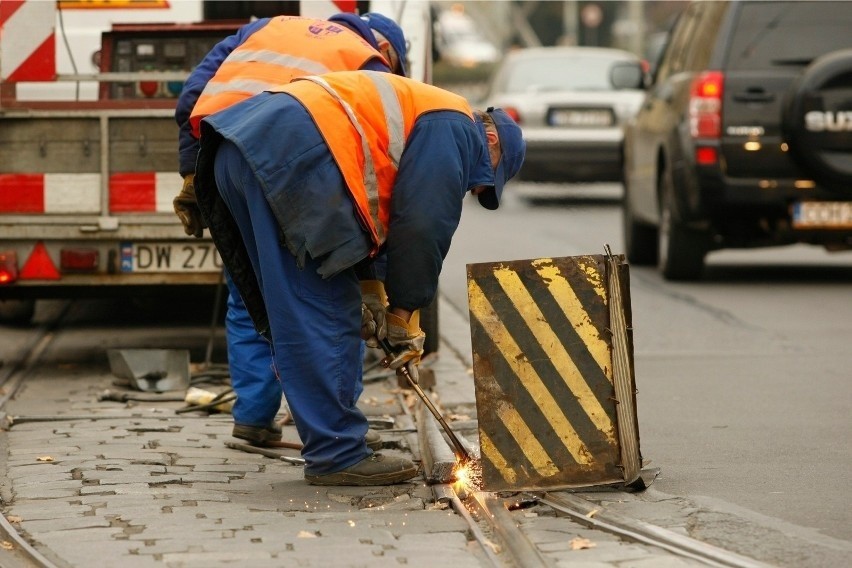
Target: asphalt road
x,y
744,378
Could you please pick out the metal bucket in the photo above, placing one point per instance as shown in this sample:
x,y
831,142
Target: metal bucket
x,y
151,370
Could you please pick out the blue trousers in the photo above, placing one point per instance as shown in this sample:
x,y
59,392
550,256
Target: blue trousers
x,y
253,377
315,326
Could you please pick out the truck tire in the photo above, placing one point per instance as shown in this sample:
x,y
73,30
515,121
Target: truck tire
x,y
429,325
681,249
816,120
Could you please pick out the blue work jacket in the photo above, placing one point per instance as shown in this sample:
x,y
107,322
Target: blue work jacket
x,y
446,155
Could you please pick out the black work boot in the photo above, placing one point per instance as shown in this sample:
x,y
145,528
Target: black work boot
x,y
257,435
376,469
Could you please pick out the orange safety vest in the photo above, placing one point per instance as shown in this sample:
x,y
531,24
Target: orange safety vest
x,y
378,110
285,48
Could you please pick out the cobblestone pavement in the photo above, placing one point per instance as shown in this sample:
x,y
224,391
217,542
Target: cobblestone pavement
x,y
95,483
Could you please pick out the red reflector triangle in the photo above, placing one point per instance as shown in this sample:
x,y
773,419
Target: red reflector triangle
x,y
39,266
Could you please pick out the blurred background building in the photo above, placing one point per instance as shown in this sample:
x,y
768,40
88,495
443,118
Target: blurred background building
x,y
476,32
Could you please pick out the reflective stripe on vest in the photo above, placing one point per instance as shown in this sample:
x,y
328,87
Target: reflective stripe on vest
x,y
380,103
263,61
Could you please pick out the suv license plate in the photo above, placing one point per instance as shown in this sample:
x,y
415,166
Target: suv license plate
x,y
822,215
170,257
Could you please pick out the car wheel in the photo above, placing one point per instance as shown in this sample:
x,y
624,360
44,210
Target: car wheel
x,y
17,312
640,239
816,105
429,325
681,250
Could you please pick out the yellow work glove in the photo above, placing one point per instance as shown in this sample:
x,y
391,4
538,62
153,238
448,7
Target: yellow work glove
x,y
374,302
406,339
187,210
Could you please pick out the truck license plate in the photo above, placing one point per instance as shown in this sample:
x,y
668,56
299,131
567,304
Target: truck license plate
x,y
822,215
170,257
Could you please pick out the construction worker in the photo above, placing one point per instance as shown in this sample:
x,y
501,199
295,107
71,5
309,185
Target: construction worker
x,y
303,184
261,55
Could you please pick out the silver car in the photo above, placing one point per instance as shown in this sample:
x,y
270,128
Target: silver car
x,y
571,103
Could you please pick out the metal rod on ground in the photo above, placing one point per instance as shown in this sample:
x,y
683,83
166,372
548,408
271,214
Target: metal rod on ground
x,y
459,450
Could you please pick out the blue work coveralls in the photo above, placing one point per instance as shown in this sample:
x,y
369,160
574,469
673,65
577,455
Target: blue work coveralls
x,y
287,230
249,356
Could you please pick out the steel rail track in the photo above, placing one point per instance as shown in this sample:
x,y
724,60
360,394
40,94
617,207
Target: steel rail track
x,y
17,552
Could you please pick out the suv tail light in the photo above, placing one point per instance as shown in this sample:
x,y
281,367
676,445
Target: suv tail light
x,y
705,113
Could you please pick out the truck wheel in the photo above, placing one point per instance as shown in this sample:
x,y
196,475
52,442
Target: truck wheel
x,y
640,239
816,123
681,250
17,312
429,325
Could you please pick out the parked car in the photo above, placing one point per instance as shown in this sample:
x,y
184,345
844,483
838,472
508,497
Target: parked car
x,y
571,103
744,138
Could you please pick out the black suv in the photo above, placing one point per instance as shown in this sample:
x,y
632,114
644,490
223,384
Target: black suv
x,y
744,138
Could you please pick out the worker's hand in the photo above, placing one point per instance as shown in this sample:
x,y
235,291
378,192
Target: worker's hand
x,y
187,210
406,339
374,302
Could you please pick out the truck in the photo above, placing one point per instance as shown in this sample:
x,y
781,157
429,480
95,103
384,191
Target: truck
x,y
88,140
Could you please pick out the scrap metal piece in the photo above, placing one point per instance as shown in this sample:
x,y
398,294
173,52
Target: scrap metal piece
x,y
268,452
151,370
548,389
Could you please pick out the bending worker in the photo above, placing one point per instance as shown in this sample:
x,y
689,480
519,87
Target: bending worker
x,y
303,184
262,54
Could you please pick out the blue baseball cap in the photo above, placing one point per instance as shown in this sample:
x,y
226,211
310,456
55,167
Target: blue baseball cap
x,y
393,33
512,150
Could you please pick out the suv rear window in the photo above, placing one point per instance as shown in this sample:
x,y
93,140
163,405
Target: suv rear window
x,y
772,34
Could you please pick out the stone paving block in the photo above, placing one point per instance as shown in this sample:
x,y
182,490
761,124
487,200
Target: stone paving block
x,y
64,523
126,489
105,554
86,535
18,450
51,490
192,462
226,468
206,559
136,455
45,509
41,478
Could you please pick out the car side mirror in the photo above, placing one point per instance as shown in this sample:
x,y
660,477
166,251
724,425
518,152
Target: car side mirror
x,y
627,75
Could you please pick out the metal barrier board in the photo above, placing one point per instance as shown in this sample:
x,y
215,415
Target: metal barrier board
x,y
552,353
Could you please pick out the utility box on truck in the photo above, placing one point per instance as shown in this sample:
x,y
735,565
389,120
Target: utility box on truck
x,y
86,185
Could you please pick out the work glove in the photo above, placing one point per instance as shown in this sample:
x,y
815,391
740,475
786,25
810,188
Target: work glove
x,y
374,303
406,340
187,210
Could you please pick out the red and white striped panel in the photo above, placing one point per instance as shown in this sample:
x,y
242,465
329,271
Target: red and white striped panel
x,y
27,40
145,192
325,8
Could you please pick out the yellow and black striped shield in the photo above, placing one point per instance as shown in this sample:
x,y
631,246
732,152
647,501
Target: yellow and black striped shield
x,y
545,346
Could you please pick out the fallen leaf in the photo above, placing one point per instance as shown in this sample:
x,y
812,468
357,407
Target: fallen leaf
x,y
593,512
14,519
44,459
306,534
6,545
581,543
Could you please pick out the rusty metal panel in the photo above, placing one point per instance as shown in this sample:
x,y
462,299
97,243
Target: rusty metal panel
x,y
543,369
